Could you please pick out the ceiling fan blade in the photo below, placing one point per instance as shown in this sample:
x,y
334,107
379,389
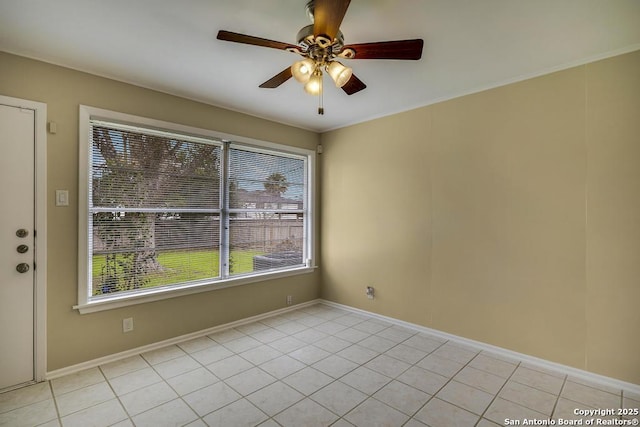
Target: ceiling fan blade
x,y
327,17
255,41
353,85
397,49
278,79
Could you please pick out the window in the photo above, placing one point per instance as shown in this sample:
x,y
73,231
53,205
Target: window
x,y
167,210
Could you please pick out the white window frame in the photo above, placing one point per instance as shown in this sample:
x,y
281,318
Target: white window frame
x,y
86,304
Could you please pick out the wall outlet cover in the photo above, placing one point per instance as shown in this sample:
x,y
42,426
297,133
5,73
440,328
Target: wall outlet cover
x,y
127,324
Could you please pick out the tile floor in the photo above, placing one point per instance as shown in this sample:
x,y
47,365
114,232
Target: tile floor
x,y
315,366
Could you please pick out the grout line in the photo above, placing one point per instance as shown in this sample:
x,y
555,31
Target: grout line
x,y
124,408
433,396
555,406
60,416
152,366
495,396
55,402
537,372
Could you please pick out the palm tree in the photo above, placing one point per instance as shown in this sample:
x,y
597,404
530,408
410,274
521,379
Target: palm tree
x,y
276,184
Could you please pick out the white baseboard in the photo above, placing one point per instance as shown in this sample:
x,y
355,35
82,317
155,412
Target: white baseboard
x,y
182,338
509,354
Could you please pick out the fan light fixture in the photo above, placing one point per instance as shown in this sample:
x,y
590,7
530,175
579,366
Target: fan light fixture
x,y
309,72
314,85
303,70
339,73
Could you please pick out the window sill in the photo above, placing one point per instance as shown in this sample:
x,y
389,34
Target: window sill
x,y
166,293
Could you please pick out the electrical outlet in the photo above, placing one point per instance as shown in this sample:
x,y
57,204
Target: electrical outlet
x,y
370,292
127,324
289,299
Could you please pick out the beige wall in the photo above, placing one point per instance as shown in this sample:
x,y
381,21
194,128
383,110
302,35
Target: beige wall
x,y
511,216
74,338
613,217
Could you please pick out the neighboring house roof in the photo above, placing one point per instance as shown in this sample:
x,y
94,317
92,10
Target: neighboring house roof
x,y
261,197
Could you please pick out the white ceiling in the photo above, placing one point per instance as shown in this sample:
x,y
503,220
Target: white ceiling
x,y
171,46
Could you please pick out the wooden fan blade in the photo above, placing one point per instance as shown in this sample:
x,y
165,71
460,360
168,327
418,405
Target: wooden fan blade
x,y
397,49
278,79
327,17
353,85
255,41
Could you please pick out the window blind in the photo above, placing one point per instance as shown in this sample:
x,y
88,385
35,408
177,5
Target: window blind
x,y
172,210
154,208
267,209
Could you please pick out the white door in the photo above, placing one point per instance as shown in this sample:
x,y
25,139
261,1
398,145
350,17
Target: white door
x,y
17,219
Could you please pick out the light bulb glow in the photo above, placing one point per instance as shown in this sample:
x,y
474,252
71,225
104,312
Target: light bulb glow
x,y
303,70
314,85
339,73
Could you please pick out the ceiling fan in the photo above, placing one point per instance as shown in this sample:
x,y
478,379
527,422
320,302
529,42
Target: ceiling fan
x,y
321,44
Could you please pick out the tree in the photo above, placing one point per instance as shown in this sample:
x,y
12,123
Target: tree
x,y
276,184
134,173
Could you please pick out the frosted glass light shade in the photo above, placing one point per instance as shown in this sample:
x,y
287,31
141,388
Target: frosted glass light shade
x,y
314,85
339,73
303,70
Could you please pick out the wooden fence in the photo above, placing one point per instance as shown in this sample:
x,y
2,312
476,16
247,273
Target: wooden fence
x,y
266,235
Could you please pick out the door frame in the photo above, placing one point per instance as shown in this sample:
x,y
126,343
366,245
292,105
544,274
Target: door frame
x,y
40,227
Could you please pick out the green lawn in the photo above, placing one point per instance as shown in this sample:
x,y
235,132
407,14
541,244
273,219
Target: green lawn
x,y
185,266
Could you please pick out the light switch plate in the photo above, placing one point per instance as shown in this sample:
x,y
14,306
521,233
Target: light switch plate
x,y
62,197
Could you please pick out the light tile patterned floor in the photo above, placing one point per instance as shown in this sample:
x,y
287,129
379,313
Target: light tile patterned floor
x,y
315,366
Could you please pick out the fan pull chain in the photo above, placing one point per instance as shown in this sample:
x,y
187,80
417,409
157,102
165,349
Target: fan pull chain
x,y
321,100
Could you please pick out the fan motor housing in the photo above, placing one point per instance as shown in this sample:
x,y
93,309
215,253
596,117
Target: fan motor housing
x,y
308,41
